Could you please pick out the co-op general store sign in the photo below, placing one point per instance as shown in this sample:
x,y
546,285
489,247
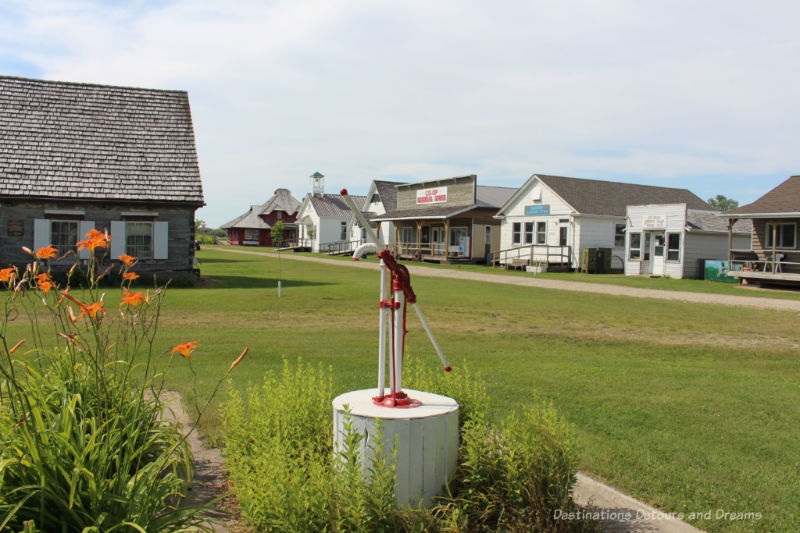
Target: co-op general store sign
x,y
432,196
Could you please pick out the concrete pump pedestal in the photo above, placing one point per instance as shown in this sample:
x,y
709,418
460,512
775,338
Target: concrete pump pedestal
x,y
427,439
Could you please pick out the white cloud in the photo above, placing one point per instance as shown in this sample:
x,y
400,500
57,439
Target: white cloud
x,y
648,91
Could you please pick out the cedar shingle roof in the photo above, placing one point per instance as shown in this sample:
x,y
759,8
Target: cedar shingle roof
x,y
98,142
785,198
598,197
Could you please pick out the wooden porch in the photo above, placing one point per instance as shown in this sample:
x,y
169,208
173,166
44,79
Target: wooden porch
x,y
779,267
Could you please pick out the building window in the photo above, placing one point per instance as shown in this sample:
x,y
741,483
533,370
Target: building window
x,y
528,232
673,246
786,235
517,233
659,245
251,234
541,232
635,246
279,215
619,234
343,233
139,239
63,235
562,236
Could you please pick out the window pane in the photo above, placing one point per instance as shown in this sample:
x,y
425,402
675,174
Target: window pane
x,y
64,235
619,235
139,237
529,232
541,232
787,236
516,233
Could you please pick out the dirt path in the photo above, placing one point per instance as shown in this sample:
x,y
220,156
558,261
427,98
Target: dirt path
x,y
579,286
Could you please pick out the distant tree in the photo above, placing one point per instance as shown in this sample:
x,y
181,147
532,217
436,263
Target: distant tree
x,y
722,203
277,232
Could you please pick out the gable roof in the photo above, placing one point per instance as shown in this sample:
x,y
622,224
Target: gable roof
x,y
281,201
493,196
96,142
249,220
387,190
598,197
332,205
705,220
782,200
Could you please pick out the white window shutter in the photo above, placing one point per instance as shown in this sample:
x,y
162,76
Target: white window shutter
x,y
160,240
84,227
117,238
41,233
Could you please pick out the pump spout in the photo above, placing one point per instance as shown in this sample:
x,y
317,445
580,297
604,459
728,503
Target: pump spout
x,y
367,247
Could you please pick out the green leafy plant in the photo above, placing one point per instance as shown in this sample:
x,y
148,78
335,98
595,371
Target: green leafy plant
x,y
83,444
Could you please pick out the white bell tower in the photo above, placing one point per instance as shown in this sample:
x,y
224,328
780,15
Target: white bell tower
x,y
317,184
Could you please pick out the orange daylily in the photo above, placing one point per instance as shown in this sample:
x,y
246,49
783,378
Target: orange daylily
x,y
91,310
127,259
44,282
239,359
15,347
94,239
7,275
185,349
130,276
131,298
46,253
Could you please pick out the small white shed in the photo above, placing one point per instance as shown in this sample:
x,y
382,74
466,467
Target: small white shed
x,y
672,240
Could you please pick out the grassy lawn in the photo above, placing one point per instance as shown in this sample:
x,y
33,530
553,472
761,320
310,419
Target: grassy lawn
x,y
666,284
692,408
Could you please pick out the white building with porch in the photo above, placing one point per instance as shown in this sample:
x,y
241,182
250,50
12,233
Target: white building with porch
x,y
551,219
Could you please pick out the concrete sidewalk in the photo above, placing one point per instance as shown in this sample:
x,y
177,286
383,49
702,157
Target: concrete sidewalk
x,y
579,286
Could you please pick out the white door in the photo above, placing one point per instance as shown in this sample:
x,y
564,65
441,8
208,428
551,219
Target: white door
x,y
658,253
437,240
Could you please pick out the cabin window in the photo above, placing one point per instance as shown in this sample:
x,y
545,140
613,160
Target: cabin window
x,y
619,234
673,246
786,235
528,232
517,233
343,232
635,246
251,234
407,235
139,239
541,232
63,234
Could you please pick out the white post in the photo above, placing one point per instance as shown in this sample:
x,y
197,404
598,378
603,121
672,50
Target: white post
x,y
398,342
383,314
431,337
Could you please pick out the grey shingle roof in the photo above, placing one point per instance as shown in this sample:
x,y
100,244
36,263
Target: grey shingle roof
x,y
426,212
611,198
281,201
387,190
785,198
704,220
249,220
493,196
85,141
333,205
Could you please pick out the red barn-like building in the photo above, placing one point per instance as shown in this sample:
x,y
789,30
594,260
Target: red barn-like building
x,y
254,228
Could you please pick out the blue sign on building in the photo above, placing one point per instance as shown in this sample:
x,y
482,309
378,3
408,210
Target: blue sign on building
x,y
538,209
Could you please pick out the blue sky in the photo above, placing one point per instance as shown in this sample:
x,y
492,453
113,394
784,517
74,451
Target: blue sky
x,y
701,95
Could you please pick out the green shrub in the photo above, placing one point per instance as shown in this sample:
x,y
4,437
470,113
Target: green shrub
x,y
282,466
280,459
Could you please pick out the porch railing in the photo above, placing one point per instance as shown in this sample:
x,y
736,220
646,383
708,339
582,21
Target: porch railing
x,y
339,247
532,253
418,251
765,261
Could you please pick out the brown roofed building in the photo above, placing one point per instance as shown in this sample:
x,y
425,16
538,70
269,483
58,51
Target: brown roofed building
x,y
77,156
774,253
550,220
